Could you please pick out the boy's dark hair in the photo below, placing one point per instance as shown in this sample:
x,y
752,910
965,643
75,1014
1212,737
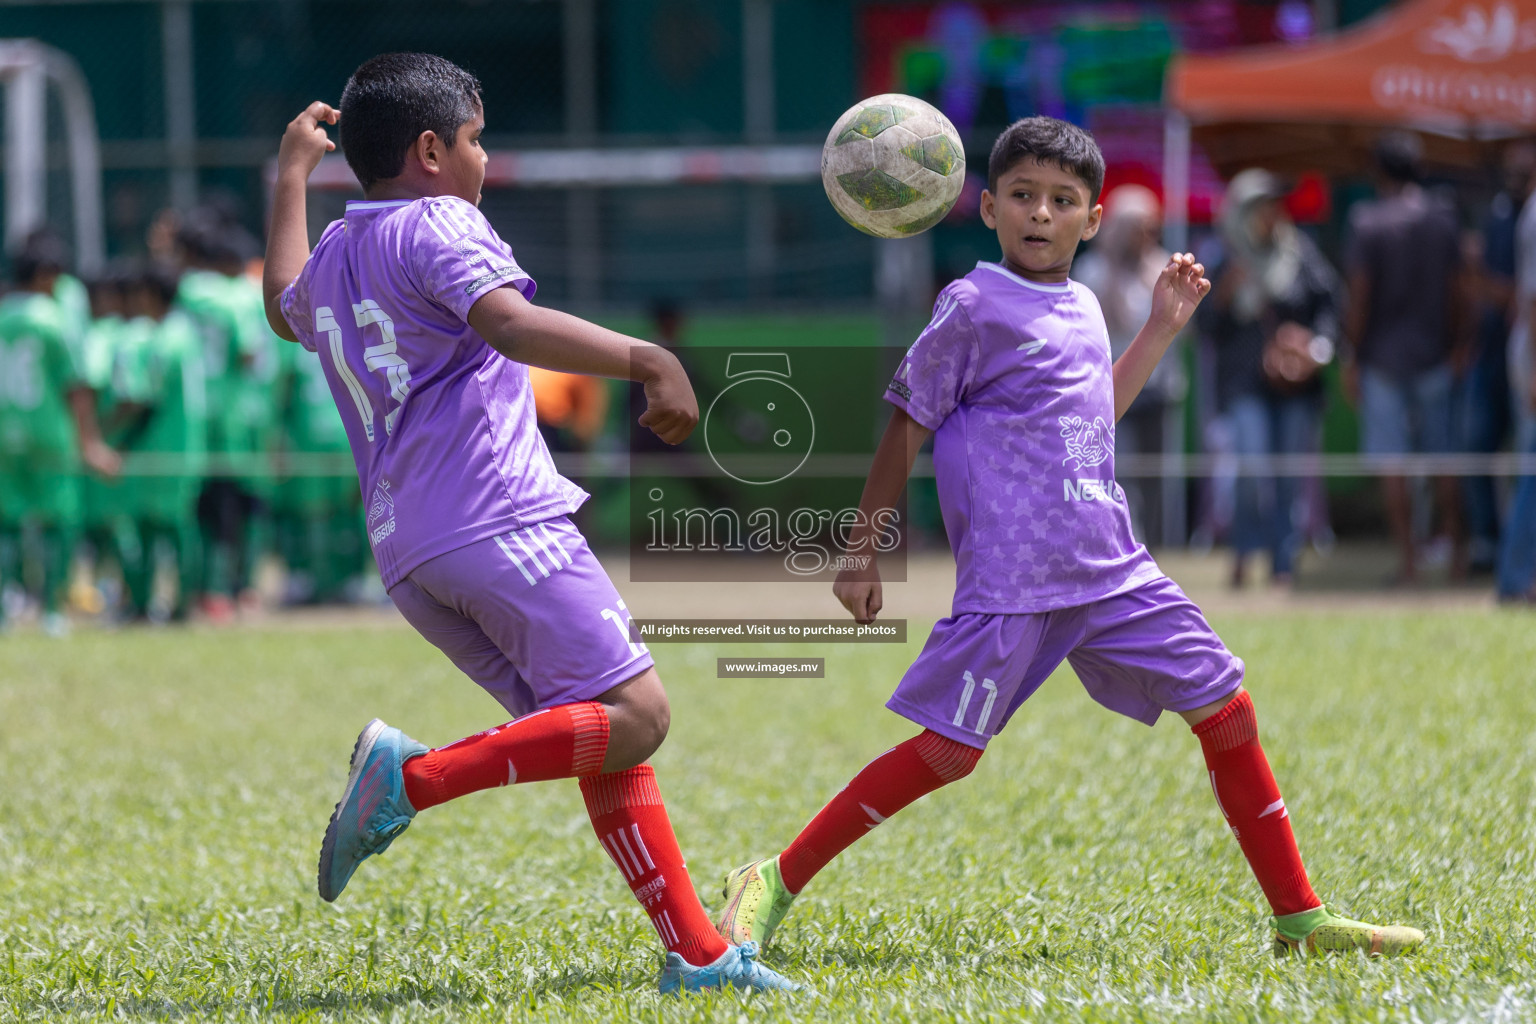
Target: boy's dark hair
x,y
199,236
391,100
1398,156
41,253
112,282
1049,141
161,280
208,238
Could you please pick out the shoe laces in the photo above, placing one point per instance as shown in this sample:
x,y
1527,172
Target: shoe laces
x,y
748,953
383,827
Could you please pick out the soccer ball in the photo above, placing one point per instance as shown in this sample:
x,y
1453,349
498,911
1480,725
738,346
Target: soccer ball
x,y
893,166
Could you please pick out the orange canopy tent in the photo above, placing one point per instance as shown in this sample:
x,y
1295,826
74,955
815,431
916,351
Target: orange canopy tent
x,y
1462,72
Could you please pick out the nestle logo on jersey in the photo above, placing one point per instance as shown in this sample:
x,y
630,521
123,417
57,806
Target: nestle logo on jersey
x,y
381,511
1092,490
1088,444
470,251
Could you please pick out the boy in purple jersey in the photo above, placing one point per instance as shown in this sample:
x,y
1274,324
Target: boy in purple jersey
x,y
422,321
1013,381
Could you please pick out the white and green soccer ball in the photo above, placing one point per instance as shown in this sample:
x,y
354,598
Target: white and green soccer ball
x,y
893,165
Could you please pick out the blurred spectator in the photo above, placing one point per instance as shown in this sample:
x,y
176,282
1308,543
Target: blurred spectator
x,y
1121,269
667,322
318,519
1486,409
239,370
48,426
571,408
1404,262
102,524
1273,315
1517,554
160,373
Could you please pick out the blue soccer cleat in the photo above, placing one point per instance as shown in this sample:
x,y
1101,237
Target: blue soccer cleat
x,y
737,967
373,809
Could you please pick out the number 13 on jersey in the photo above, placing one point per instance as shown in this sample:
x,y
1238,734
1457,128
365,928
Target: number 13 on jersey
x,y
380,358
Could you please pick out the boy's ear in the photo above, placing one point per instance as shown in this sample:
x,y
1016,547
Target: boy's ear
x,y
1095,218
988,213
428,149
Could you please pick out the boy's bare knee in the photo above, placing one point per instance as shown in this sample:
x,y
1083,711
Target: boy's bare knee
x,y
639,716
661,720
647,726
1195,716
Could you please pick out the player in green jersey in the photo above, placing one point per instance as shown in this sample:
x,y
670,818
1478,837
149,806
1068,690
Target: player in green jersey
x,y
317,515
74,301
48,427
105,523
256,412
221,316
163,364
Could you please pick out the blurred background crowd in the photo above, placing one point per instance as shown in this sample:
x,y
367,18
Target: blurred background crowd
x,y
158,441
1361,373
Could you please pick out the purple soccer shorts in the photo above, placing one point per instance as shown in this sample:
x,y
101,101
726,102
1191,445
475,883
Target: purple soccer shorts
x,y
1140,653
529,615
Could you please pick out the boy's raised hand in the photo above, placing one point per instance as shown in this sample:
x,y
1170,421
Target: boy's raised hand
x,y
1179,289
304,141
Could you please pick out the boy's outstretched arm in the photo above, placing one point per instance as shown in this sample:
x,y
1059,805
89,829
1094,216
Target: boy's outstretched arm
x,y
304,143
540,336
859,591
1179,289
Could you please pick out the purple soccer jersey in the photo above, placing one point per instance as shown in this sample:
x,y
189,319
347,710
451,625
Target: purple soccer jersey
x,y
1015,380
442,427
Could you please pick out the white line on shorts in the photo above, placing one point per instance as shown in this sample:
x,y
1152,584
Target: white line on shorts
x,y
534,533
518,539
555,540
518,562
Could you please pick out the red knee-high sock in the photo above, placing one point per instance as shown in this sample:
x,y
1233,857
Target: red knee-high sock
x,y
1249,798
632,825
886,785
555,743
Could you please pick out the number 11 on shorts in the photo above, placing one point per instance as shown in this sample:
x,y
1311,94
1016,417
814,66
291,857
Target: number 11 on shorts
x,y
986,705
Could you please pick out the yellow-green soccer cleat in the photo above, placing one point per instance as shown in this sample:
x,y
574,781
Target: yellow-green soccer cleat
x,y
1322,931
755,902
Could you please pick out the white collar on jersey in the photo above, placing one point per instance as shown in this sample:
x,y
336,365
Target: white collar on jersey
x,y
998,268
375,204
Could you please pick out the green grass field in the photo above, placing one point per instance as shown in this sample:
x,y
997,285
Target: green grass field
x,y
163,796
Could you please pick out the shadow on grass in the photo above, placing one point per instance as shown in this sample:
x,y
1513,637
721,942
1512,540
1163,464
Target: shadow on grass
x,y
896,959
447,998
892,944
